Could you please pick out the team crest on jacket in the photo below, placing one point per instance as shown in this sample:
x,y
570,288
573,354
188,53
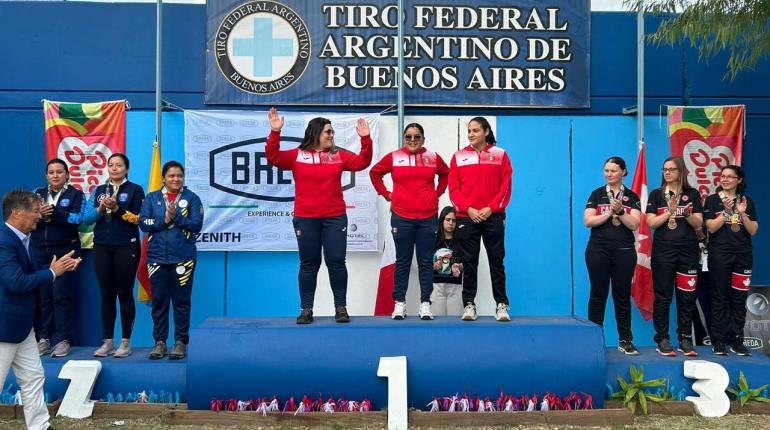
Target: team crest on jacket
x,y
685,198
262,47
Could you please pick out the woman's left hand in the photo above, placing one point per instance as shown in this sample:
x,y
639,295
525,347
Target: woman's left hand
x,y
485,213
362,127
742,205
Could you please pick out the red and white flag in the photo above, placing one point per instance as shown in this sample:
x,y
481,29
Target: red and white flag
x,y
384,304
641,287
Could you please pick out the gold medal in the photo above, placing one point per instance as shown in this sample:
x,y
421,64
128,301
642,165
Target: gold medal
x,y
615,220
672,223
734,222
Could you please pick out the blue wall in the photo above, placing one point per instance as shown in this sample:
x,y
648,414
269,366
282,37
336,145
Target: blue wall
x,y
93,52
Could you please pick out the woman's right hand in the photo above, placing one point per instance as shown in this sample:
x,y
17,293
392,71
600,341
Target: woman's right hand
x,y
276,121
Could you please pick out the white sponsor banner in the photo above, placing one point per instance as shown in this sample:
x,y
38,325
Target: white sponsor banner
x,y
249,203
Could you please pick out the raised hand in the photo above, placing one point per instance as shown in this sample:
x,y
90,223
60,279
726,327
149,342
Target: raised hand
x,y
362,127
276,121
742,205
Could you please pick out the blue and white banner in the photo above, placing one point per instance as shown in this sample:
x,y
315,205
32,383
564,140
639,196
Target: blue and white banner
x,y
249,203
492,53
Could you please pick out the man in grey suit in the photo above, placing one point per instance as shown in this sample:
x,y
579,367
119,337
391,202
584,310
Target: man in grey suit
x,y
20,277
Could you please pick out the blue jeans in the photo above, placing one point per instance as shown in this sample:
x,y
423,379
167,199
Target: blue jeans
x,y
408,234
329,234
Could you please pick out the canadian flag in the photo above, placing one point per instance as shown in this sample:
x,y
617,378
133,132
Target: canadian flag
x,y
384,304
641,286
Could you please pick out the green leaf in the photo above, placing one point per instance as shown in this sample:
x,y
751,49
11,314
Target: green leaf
x,y
632,406
742,382
762,399
643,402
622,383
743,400
634,374
654,398
631,393
654,382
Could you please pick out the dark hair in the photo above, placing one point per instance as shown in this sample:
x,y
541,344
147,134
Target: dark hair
x,y
313,133
619,161
485,125
741,187
57,161
122,157
682,173
170,164
444,212
414,125
18,199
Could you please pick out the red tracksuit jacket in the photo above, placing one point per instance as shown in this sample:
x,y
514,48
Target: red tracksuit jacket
x,y
480,179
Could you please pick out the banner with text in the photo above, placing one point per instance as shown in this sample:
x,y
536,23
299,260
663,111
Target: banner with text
x,y
249,203
533,53
708,138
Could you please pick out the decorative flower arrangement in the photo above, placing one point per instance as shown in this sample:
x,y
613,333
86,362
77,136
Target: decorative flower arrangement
x,y
144,397
307,404
510,403
9,396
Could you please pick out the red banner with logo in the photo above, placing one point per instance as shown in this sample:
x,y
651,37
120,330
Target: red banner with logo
x,y
85,135
708,138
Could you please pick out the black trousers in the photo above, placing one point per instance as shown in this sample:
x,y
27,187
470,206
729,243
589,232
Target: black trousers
x,y
667,260
728,304
469,236
614,265
116,272
171,283
56,302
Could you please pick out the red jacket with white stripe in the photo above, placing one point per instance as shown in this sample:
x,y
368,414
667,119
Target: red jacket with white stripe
x,y
415,193
318,175
480,179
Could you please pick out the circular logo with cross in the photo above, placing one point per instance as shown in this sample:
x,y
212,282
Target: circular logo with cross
x,y
262,47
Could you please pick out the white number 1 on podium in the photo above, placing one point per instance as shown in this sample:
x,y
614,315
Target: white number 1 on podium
x,y
394,368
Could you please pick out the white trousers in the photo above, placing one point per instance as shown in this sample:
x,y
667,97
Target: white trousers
x,y
446,299
24,359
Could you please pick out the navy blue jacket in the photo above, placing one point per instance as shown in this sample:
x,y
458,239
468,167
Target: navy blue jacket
x,y
19,281
121,228
173,242
62,229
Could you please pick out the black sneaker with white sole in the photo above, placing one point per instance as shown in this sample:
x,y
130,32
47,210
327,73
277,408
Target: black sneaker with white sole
x,y
628,348
664,348
719,348
739,348
686,348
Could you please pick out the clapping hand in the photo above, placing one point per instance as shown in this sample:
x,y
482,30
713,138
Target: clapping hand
x,y
170,212
742,205
615,205
46,210
65,264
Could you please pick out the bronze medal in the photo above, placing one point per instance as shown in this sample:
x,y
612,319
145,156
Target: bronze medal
x,y
672,223
616,220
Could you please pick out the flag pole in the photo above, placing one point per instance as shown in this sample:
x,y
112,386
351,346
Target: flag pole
x,y
400,71
158,72
640,78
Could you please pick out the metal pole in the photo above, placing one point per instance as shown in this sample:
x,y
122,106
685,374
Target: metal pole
x,y
640,77
158,71
400,70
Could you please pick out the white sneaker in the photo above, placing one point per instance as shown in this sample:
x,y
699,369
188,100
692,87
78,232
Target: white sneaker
x,y
106,349
501,314
399,311
124,350
469,314
424,312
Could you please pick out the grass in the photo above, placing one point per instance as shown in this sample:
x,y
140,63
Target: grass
x,y
652,422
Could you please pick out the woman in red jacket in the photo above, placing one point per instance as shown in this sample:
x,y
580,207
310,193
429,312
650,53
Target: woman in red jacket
x,y
480,188
414,205
320,221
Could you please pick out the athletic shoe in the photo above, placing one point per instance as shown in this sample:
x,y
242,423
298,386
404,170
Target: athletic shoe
x,y
107,348
43,346
665,349
739,348
158,351
469,314
425,313
686,348
341,315
124,350
628,348
178,351
501,313
305,316
719,348
399,311
62,349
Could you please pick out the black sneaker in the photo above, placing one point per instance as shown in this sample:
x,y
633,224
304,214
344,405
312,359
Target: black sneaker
x,y
686,348
341,315
739,348
665,349
719,348
305,316
628,348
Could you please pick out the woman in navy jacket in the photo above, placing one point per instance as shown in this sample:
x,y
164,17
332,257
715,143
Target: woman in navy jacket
x,y
172,217
61,208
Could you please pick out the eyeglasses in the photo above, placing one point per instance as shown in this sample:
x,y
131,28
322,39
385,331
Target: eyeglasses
x,y
412,138
729,177
329,132
669,170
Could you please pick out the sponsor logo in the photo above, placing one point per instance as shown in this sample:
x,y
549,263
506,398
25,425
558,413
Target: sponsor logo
x,y
753,342
262,47
757,304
